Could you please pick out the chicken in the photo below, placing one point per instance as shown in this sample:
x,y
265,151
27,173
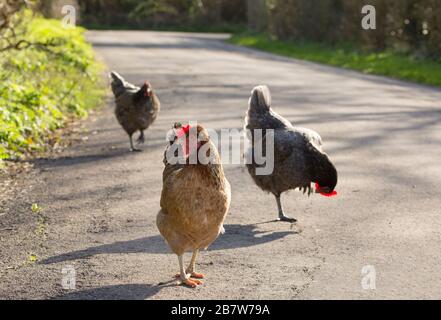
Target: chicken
x,y
299,159
136,107
195,198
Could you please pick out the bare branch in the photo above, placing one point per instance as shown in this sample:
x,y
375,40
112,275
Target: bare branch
x,y
24,44
9,19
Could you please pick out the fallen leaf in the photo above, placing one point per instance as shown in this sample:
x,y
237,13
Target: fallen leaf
x,y
35,208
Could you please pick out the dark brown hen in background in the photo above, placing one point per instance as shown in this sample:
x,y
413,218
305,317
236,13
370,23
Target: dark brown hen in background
x,y
298,156
136,107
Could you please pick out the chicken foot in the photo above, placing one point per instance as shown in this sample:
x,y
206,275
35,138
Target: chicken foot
x,y
192,283
190,270
282,216
191,267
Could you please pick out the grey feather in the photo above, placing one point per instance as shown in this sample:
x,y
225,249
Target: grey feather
x,y
298,156
120,85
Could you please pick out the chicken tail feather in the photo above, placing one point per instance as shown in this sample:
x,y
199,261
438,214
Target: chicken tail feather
x,y
260,98
117,79
118,84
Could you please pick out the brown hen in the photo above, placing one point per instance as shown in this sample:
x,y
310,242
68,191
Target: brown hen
x,y
195,198
136,107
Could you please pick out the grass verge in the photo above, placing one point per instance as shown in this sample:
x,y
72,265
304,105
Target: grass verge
x,y
387,63
42,88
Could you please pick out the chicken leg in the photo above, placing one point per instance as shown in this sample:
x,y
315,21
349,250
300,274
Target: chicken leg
x,y
191,267
282,216
141,138
190,270
183,275
132,148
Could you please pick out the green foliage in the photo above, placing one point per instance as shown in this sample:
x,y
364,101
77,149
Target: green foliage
x,y
408,26
388,63
42,87
194,15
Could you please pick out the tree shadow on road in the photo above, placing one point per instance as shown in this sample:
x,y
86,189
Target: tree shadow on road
x,y
80,159
115,292
236,236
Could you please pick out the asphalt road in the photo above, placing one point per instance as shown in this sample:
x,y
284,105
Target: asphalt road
x,y
100,201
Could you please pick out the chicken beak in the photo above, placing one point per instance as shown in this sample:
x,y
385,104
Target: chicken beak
x,y
322,190
325,191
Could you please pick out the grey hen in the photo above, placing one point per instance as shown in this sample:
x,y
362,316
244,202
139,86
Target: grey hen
x,y
299,159
136,107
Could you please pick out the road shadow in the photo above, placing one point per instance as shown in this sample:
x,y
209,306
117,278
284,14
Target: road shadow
x,y
107,154
81,159
185,41
115,292
236,236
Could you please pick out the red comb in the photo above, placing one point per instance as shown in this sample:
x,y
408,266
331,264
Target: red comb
x,y
331,194
186,129
183,131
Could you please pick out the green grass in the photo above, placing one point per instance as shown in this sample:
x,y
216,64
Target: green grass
x,y
40,90
388,63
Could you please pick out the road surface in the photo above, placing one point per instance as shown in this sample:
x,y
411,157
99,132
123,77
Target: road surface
x,y
99,202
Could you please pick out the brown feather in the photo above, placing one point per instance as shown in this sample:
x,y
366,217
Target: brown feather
x,y
194,203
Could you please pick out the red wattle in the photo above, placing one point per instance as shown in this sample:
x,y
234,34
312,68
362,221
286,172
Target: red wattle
x,y
182,132
186,129
331,194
